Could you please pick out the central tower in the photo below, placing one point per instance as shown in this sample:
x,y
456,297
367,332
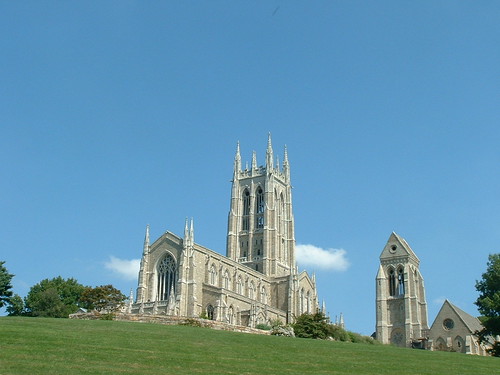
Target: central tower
x,y
260,224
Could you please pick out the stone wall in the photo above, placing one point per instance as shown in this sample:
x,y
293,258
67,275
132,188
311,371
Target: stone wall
x,y
171,320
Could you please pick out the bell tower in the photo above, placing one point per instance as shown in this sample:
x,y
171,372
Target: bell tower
x,y
260,223
400,295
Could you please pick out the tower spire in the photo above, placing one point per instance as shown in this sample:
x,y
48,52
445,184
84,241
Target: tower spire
x,y
269,154
286,165
191,232
237,159
146,241
254,161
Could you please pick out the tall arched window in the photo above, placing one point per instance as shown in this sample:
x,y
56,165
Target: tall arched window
x,y
401,281
225,280
210,312
167,274
251,290
392,282
259,209
245,225
213,275
308,300
239,285
263,295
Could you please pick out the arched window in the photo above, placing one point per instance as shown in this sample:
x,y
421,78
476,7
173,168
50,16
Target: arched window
x,y
302,304
245,225
239,285
167,275
259,209
210,312
392,282
308,300
401,281
230,315
225,280
213,275
251,290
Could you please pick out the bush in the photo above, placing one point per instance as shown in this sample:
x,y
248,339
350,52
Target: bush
x,y
263,326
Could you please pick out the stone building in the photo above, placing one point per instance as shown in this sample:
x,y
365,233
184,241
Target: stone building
x,y
258,279
401,308
453,330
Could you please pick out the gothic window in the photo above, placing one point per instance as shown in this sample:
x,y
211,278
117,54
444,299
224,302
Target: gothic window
x,y
225,280
210,312
263,295
401,281
239,285
246,210
167,273
301,301
251,290
213,275
308,300
259,209
392,282
230,315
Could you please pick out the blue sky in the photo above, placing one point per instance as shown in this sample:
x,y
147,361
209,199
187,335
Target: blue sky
x,y
119,114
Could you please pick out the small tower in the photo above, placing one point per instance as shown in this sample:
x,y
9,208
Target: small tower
x,y
143,271
260,224
400,295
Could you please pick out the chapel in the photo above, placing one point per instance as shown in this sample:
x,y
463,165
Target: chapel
x,y
257,281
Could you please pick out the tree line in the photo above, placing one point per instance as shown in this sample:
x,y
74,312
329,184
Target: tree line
x,y
57,297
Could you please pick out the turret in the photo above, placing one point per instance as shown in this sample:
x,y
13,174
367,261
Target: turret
x,y
269,155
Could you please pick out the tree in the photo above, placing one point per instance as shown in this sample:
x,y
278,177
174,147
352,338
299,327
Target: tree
x,y
16,306
102,298
488,302
56,298
313,326
5,285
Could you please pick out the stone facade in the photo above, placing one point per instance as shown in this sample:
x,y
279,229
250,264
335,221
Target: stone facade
x,y
400,296
453,330
256,282
402,309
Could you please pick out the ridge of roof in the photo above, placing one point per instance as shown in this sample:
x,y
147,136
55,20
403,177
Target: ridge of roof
x,y
470,321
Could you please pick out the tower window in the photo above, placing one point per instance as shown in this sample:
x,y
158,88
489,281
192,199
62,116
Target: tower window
x,y
246,210
166,277
392,282
259,209
401,281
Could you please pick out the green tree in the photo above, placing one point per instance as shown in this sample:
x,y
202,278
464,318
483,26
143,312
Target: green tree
x,y
5,285
16,306
488,302
56,298
313,326
102,298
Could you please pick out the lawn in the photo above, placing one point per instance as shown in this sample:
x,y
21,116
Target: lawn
x,y
63,346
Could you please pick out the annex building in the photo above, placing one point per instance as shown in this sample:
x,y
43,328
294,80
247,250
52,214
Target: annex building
x,y
401,307
258,279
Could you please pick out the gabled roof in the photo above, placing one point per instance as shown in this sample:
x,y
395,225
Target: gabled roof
x,y
470,321
397,247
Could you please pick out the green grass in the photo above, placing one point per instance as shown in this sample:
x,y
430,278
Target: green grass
x,y
63,346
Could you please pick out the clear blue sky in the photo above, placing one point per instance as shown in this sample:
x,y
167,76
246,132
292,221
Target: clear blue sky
x,y
118,114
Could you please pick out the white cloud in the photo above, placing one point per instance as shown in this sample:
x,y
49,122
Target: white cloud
x,y
327,259
127,269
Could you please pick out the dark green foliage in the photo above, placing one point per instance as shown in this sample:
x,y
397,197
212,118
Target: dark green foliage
x,y
16,306
5,285
312,326
55,298
488,302
317,326
102,298
263,326
191,322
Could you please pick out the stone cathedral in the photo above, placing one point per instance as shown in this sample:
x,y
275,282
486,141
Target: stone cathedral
x,y
258,279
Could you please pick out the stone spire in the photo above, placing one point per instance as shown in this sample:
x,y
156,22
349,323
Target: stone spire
x,y
254,161
191,232
237,160
269,154
286,165
146,241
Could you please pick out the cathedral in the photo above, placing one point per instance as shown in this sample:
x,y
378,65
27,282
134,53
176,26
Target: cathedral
x,y
258,279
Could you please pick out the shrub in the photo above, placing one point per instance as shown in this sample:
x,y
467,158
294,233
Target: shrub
x,y
263,326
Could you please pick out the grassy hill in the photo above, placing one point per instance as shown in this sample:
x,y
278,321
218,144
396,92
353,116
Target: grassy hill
x,y
63,346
